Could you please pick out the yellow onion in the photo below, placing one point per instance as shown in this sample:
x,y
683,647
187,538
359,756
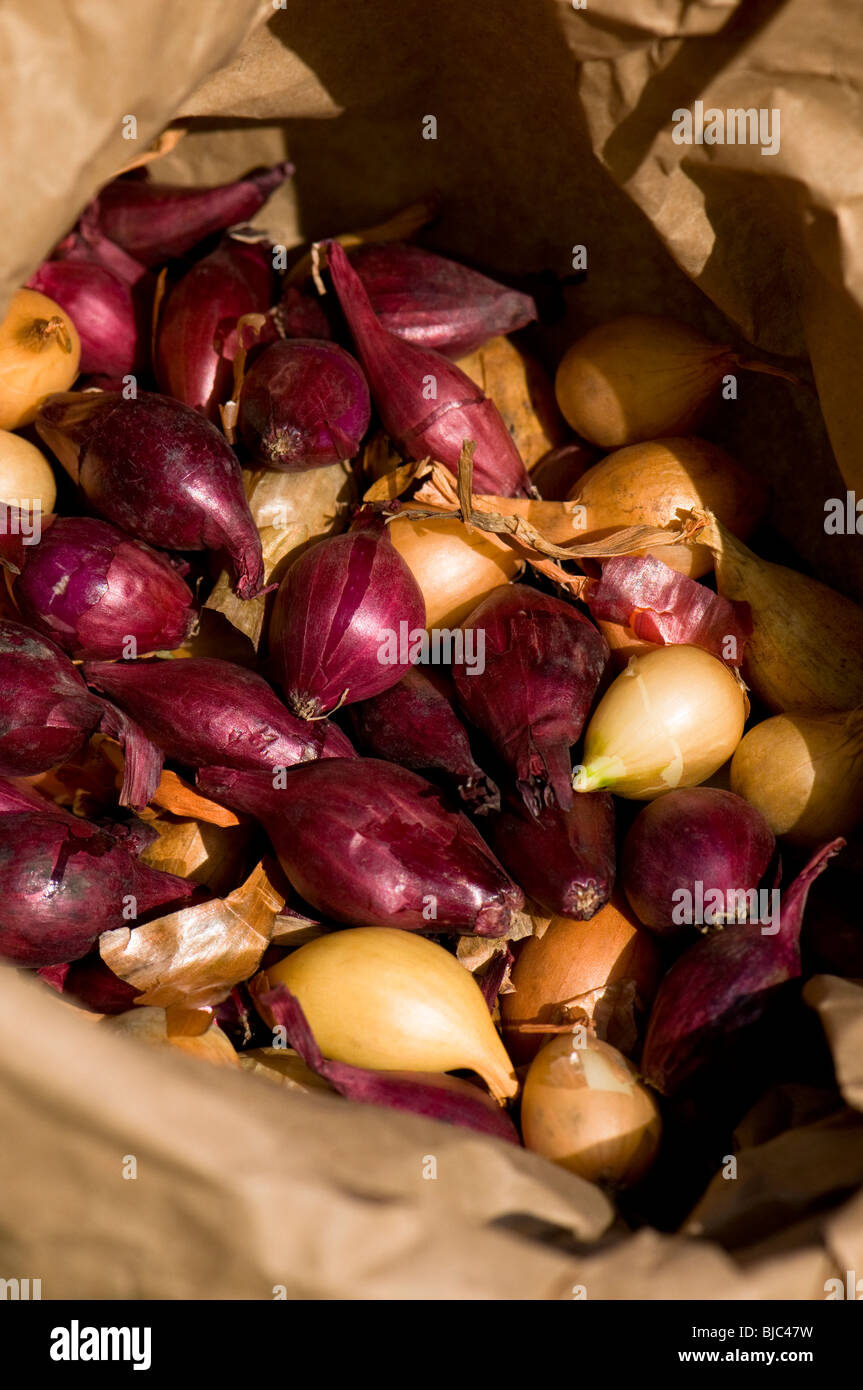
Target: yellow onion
x,y
623,643
584,1108
806,647
39,354
641,376
386,999
456,568
604,971
26,475
650,484
519,387
804,773
151,1025
669,720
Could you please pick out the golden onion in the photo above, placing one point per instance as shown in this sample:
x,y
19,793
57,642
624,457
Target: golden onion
x,y
26,477
39,353
455,567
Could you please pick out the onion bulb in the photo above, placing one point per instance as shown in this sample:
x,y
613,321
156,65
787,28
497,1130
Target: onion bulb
x,y
381,998
26,476
804,773
605,971
39,354
641,376
669,720
151,1025
522,392
650,484
456,568
806,646
584,1108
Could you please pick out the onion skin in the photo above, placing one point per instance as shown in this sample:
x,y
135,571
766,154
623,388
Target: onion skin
x,y
401,377
455,568
202,711
564,860
25,474
300,315
434,302
556,473
671,719
649,484
722,986
543,664
583,1108
87,243
414,724
102,307
92,984
157,469
156,221
523,394
440,1097
393,1002
90,588
304,404
561,975
806,646
371,844
62,885
196,334
804,773
695,834
337,606
40,352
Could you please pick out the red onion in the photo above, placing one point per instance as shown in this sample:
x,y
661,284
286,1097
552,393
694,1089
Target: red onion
x,y
300,315
156,221
698,835
160,471
338,618
435,302
62,885
196,336
414,724
91,588
304,404
427,404
87,243
371,844
564,860
203,711
662,605
47,714
440,1097
723,985
102,308
18,795
556,473
543,662
92,984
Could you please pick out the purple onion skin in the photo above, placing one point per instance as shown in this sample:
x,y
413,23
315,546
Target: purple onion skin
x,y
722,986
203,711
90,588
157,469
697,834
91,983
17,796
300,315
371,844
557,472
155,222
543,664
46,711
414,724
437,1096
427,404
434,302
102,308
564,860
334,612
87,243
61,886
304,404
196,336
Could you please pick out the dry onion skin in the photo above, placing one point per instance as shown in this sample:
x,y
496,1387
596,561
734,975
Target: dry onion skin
x,y
604,971
26,477
151,1025
804,773
641,376
584,1108
806,646
385,999
455,566
523,394
671,719
39,353
651,484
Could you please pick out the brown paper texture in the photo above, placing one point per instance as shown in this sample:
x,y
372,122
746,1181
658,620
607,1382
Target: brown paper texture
x,y
553,130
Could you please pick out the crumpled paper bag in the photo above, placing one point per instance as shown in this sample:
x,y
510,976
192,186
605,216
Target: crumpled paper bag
x,y
553,130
